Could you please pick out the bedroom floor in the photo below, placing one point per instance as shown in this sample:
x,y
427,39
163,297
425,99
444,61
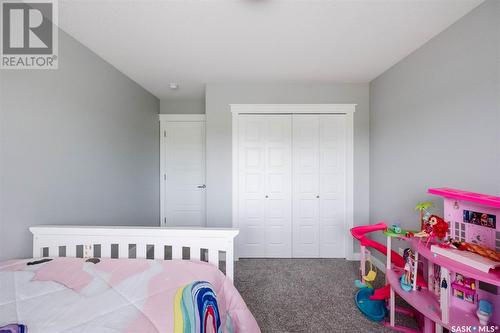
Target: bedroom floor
x,y
304,295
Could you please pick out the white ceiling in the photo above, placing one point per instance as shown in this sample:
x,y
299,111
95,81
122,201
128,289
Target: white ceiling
x,y
194,42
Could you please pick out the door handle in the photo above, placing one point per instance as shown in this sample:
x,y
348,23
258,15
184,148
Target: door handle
x,y
201,186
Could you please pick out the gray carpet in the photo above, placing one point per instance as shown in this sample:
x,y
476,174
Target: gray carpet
x,y
304,295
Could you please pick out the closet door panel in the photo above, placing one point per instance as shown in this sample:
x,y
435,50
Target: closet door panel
x,y
278,208
332,133
252,169
306,231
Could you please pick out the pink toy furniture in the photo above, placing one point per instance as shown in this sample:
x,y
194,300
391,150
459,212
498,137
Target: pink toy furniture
x,y
454,287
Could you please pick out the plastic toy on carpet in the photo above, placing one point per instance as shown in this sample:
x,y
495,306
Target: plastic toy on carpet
x,y
373,309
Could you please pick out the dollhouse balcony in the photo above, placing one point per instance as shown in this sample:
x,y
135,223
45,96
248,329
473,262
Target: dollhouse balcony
x,y
425,302
491,277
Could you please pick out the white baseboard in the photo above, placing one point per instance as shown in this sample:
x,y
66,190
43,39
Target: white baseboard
x,y
378,263
354,257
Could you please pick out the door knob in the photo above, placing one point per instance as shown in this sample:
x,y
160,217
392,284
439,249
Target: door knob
x,y
267,196
317,197
202,186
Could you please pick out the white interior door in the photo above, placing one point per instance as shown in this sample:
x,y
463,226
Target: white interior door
x,y
319,159
332,180
252,173
278,198
264,208
185,174
306,186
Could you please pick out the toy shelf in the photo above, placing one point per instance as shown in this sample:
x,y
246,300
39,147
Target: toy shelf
x,y
493,277
462,288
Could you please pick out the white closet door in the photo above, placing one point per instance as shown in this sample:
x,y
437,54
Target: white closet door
x,y
252,171
278,198
332,180
264,164
306,186
319,185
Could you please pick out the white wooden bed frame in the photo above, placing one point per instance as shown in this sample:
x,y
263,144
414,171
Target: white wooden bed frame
x,y
136,242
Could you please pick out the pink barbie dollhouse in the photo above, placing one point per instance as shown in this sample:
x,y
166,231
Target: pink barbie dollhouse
x,y
452,281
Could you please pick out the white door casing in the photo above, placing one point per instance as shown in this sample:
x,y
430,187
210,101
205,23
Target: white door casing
x,y
183,190
265,193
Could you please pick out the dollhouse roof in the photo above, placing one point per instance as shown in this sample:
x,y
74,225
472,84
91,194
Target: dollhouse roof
x,y
483,199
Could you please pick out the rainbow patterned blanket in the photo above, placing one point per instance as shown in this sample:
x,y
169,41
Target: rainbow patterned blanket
x,y
196,309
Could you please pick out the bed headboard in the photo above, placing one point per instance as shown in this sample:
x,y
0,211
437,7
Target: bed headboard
x,y
206,244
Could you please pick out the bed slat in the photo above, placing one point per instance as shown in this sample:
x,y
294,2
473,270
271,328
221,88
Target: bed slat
x,y
158,251
141,251
54,251
176,252
213,257
71,250
229,263
106,251
195,253
122,250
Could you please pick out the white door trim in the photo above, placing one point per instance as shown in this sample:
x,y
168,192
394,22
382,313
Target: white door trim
x,y
347,109
182,117
293,108
164,119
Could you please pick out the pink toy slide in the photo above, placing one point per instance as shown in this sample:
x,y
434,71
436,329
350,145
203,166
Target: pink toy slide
x,y
359,234
396,259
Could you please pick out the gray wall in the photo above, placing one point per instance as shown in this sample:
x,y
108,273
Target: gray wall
x,y
219,136
435,119
79,145
183,106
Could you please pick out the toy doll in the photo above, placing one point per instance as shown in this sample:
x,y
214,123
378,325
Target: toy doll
x,y
474,248
406,279
434,227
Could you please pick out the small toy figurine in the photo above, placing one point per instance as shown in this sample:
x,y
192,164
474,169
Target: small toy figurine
x,y
423,209
474,248
439,226
482,251
435,280
434,227
452,243
407,277
396,228
409,234
444,284
484,312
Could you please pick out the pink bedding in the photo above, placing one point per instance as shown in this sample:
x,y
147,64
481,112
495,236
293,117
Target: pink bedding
x,y
113,295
